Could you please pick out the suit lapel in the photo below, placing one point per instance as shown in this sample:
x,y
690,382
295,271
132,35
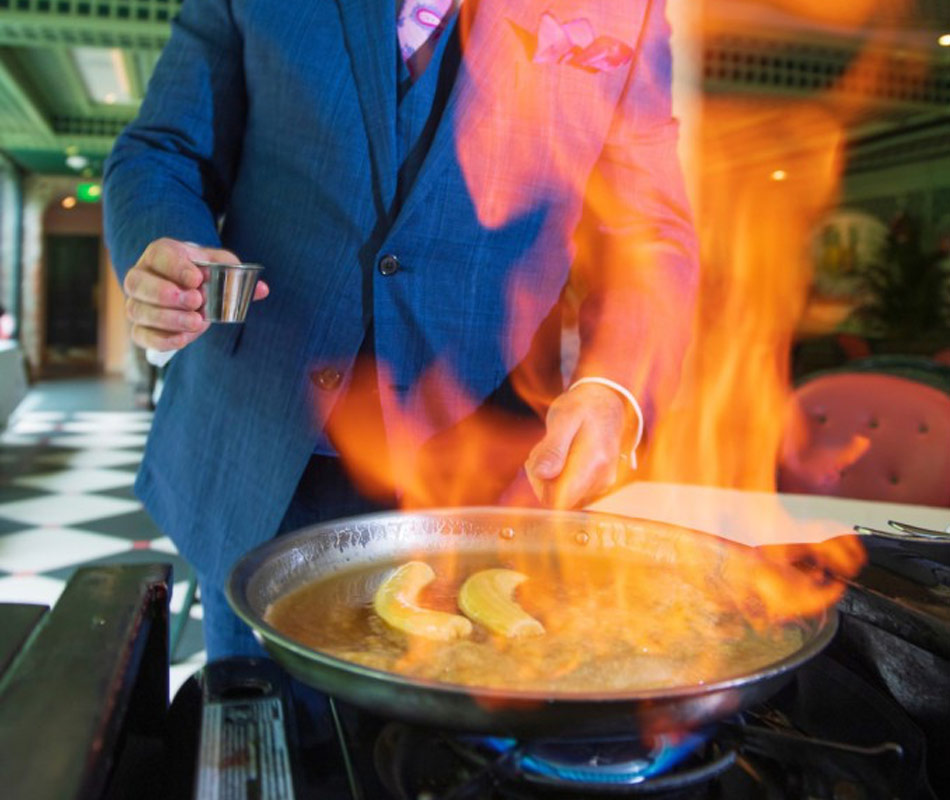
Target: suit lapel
x,y
482,51
370,35
490,33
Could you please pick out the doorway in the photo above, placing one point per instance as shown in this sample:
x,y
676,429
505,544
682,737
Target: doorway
x,y
72,304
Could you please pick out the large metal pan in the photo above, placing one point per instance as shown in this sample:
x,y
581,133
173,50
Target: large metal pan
x,y
286,563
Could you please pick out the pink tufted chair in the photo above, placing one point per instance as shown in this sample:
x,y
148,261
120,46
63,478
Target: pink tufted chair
x,y
868,436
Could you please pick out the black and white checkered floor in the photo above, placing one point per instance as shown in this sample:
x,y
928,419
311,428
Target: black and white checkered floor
x,y
66,501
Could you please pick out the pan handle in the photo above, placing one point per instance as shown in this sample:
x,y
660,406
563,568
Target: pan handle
x,y
906,533
928,532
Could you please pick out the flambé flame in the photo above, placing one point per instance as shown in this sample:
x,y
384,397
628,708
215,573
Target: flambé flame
x,y
718,418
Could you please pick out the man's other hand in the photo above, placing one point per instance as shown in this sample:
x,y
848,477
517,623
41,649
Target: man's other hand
x,y
579,457
163,293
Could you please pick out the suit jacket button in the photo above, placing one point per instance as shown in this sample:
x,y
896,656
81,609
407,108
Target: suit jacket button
x,y
388,265
327,378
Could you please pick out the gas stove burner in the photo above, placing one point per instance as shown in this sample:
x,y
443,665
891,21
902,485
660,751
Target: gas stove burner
x,y
414,762
593,762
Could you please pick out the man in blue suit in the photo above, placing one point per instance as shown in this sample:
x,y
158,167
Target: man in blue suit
x,y
414,202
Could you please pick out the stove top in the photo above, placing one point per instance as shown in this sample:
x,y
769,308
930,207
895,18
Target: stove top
x,y
829,735
867,719
855,723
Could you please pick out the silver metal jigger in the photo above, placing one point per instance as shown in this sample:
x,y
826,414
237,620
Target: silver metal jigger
x,y
228,290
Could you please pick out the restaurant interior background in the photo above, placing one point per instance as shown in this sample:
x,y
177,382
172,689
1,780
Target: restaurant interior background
x,y
72,73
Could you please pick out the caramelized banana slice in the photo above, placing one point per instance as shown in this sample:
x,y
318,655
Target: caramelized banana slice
x,y
395,602
487,598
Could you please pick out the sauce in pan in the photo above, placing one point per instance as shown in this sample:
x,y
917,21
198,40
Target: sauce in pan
x,y
610,626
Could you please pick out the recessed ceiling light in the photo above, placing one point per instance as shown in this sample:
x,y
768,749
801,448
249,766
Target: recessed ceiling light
x,y
779,175
944,41
76,161
69,202
104,73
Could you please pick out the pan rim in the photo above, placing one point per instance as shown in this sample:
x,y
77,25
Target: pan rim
x,y
824,626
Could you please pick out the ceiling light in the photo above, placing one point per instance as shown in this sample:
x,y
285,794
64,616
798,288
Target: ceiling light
x,y
779,175
68,202
77,161
944,41
104,74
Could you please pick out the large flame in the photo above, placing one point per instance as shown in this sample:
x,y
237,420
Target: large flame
x,y
769,169
474,461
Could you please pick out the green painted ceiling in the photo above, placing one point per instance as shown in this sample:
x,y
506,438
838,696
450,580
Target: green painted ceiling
x,y
47,114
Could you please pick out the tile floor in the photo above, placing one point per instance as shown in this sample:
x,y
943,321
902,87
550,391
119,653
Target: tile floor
x,y
68,459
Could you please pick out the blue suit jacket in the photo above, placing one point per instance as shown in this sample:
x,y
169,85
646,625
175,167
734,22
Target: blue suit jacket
x,y
269,128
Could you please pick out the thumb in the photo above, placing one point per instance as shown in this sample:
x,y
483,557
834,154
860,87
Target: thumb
x,y
217,255
546,461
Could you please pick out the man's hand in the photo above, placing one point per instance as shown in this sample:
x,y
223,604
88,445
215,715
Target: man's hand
x,y
579,457
164,297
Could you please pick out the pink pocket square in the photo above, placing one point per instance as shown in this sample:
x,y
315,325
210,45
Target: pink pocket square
x,y
575,43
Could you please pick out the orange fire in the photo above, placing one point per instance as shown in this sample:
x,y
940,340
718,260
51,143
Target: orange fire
x,y
472,462
769,169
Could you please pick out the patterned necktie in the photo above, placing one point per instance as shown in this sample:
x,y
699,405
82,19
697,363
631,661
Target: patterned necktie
x,y
418,25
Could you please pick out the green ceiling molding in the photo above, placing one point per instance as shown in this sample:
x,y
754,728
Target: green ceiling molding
x,y
87,127
896,82
52,162
924,143
49,75
20,116
45,110
128,24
